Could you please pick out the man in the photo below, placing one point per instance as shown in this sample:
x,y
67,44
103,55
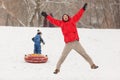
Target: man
x,y
71,38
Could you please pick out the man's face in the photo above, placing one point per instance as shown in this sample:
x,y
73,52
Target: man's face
x,y
65,17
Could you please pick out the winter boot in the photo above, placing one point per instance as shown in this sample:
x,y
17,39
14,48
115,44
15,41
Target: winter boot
x,y
56,71
46,55
94,66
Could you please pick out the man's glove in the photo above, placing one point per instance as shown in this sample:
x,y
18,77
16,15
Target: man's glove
x,y
85,5
44,14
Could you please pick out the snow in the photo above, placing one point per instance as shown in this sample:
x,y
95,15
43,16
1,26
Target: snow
x,y
103,45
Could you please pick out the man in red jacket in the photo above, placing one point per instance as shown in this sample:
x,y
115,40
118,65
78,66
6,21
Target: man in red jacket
x,y
71,38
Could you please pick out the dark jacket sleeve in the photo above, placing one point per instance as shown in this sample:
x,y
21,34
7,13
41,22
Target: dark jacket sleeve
x,y
54,21
41,39
78,15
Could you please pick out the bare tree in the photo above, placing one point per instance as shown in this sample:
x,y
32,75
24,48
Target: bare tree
x,y
99,14
10,13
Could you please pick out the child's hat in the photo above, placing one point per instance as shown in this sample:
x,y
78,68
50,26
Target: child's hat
x,y
39,32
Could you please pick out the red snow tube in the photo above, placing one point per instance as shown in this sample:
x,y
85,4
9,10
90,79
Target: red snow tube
x,y
36,58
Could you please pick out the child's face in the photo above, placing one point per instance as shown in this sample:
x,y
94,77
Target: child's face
x,y
65,17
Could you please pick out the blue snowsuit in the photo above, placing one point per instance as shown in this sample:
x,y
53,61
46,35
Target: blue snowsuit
x,y
37,41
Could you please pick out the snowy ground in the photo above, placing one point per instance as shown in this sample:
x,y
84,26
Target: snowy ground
x,y
102,45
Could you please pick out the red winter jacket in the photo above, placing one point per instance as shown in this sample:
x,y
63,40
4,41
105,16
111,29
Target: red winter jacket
x,y
69,28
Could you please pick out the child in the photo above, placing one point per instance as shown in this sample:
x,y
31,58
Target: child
x,y
71,38
37,41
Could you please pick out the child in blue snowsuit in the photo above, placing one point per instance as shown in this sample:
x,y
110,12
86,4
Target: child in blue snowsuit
x,y
37,42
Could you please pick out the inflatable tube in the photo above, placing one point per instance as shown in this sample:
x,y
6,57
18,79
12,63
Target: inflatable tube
x,y
36,58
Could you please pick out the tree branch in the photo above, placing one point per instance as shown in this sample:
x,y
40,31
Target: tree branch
x,y
11,14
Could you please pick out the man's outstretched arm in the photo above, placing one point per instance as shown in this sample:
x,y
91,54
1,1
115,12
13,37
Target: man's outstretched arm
x,y
79,14
51,19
